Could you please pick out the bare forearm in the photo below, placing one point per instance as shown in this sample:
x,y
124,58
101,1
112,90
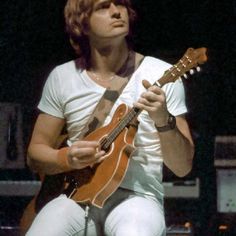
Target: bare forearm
x,y
44,159
177,152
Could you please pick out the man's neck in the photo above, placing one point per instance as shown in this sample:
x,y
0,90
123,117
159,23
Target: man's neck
x,y
108,59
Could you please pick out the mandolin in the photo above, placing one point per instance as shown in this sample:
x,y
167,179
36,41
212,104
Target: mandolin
x,y
94,185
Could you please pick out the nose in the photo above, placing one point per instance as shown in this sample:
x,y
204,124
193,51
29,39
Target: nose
x,y
115,11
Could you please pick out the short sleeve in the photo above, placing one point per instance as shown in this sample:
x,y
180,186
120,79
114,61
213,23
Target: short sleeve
x,y
175,97
50,101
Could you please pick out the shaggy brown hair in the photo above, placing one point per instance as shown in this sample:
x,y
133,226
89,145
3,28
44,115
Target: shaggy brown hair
x,y
77,13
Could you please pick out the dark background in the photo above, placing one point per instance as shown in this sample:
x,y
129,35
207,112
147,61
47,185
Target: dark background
x,y
33,41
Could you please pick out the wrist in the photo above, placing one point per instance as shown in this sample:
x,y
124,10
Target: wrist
x,y
62,159
170,124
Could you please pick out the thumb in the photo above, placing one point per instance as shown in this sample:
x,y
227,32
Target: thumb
x,y
146,84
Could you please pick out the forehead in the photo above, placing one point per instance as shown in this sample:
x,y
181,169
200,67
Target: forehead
x,y
109,1
102,1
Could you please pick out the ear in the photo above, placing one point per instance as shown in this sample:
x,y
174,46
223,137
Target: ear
x,y
86,29
86,32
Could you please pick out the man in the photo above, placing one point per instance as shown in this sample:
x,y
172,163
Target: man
x,y
99,32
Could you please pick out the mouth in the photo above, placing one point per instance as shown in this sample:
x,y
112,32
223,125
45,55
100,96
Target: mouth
x,y
118,23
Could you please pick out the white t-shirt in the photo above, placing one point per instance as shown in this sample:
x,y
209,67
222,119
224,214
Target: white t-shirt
x,y
69,93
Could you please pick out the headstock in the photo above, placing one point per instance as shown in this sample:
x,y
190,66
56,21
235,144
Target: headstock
x,y
190,60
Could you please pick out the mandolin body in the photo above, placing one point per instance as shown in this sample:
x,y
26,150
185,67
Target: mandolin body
x,y
96,184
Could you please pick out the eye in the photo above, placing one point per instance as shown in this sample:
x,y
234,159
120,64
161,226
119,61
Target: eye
x,y
102,6
119,2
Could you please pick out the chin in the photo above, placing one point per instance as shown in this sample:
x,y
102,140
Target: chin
x,y
120,32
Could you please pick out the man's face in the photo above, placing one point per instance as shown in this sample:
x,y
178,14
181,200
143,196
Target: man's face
x,y
109,19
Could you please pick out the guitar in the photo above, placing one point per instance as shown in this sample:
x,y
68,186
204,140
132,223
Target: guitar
x,y
94,185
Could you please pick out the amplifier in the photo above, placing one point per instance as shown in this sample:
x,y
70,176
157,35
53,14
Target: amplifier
x,y
182,189
225,163
180,230
173,230
225,151
226,190
175,189
11,138
9,231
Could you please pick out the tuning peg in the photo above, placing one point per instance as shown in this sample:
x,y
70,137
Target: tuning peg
x,y
191,72
185,76
198,69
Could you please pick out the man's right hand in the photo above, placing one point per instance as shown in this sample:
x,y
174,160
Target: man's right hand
x,y
84,153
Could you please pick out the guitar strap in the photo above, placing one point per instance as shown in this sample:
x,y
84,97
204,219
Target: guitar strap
x,y
111,94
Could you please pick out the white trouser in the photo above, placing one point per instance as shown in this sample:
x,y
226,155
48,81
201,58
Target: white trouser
x,y
124,214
